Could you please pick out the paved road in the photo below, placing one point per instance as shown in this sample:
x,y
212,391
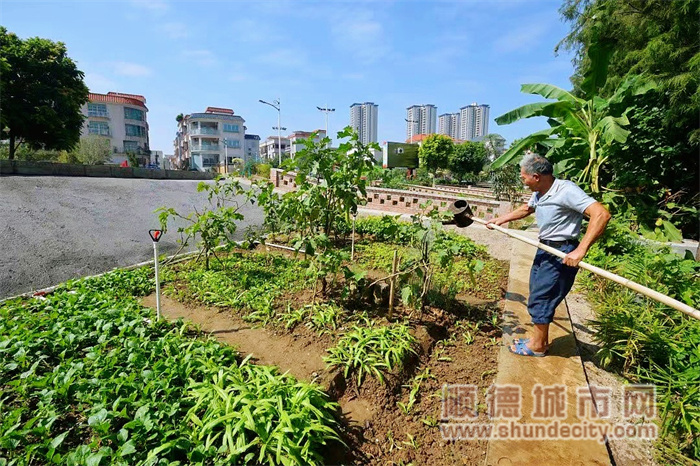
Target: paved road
x,y
56,228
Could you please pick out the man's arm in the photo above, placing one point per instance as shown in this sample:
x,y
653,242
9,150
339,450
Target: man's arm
x,y
521,212
599,218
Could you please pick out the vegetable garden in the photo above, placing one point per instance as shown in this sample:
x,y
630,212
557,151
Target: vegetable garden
x,y
90,377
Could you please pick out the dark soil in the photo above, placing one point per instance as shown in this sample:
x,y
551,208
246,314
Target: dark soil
x,y
376,430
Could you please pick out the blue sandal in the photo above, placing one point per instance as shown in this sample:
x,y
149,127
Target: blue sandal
x,y
521,349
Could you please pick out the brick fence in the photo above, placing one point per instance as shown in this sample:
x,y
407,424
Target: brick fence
x,y
470,191
21,167
401,201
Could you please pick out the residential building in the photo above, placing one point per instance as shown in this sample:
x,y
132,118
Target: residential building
x,y
269,148
363,119
474,121
204,140
420,119
448,124
121,118
297,138
252,147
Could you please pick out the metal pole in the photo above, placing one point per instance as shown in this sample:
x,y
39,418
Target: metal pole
x,y
155,260
279,131
226,155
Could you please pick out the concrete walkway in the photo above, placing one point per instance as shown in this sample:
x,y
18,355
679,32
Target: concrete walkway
x,y
561,371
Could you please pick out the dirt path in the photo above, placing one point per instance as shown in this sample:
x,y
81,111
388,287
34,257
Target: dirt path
x,y
301,357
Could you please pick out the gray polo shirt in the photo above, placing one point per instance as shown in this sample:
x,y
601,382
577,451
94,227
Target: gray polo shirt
x,y
560,211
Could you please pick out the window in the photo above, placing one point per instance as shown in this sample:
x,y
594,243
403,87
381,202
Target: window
x,y
98,127
210,160
131,146
134,130
232,143
230,128
133,114
97,110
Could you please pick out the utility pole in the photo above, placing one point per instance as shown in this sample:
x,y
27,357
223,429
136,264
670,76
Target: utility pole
x,y
326,110
277,105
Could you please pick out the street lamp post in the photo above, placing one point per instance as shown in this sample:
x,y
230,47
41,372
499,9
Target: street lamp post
x,y
410,129
226,156
326,110
276,105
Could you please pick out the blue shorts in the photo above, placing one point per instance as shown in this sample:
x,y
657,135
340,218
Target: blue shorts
x,y
550,282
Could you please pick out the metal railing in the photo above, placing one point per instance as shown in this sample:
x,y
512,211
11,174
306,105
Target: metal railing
x,y
195,131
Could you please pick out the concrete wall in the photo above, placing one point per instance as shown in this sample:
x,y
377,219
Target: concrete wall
x,y
20,167
405,202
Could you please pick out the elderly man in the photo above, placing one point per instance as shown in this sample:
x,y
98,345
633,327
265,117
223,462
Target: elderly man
x,y
559,206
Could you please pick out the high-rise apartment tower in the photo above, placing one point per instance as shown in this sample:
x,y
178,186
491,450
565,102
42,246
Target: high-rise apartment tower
x,y
448,124
421,120
474,121
363,119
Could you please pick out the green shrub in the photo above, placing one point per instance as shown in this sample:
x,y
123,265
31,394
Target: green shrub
x,y
263,170
647,341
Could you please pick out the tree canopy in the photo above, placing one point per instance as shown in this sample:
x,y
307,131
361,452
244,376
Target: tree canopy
x,y
467,158
41,92
435,152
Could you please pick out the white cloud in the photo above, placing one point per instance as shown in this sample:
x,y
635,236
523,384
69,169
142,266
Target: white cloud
x,y
357,32
200,57
131,69
174,30
99,83
521,39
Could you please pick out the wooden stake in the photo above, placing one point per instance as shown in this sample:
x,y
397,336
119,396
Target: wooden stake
x,y
392,282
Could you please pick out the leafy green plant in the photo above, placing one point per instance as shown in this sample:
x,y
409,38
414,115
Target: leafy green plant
x,y
645,340
86,379
216,224
373,350
322,317
415,389
581,129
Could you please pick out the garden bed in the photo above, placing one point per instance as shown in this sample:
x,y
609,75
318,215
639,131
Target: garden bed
x,y
115,387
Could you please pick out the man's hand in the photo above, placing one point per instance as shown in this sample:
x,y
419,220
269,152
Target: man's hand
x,y
494,221
574,257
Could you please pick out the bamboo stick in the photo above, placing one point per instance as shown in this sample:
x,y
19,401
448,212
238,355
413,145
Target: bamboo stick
x,y
655,295
392,285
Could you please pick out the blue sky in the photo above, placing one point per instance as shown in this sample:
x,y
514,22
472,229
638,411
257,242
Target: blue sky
x,y
184,56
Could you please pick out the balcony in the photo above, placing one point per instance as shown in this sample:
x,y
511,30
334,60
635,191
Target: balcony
x,y
98,114
205,147
205,130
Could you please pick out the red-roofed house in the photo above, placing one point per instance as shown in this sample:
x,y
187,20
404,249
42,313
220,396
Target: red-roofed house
x,y
122,119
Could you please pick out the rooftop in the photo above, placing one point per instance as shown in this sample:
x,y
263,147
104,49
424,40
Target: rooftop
x,y
118,98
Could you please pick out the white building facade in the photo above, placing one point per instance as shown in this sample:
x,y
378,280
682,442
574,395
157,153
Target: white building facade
x,y
474,121
421,120
120,118
204,140
297,138
252,147
448,124
363,119
269,148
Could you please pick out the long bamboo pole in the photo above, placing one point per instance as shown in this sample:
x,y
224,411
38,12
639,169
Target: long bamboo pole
x,y
655,295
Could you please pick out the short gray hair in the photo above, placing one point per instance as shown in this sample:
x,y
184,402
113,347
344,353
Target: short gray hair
x,y
536,164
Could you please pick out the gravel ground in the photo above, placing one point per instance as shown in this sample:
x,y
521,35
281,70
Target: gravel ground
x,y
56,228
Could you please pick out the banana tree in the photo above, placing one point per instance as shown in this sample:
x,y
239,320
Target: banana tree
x,y
581,129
